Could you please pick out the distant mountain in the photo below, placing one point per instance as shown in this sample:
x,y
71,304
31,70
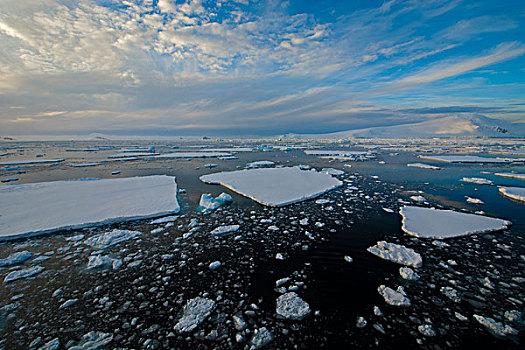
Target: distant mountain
x,y
464,125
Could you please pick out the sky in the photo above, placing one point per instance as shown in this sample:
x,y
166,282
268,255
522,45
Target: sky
x,y
246,67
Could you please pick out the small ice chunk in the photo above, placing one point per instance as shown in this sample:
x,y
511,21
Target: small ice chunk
x,y
393,297
427,330
423,166
473,200
494,327
16,258
100,261
388,210
53,344
396,253
215,265
332,171
75,238
348,258
282,281
164,220
408,274
222,230
419,199
68,303
195,312
261,337
93,341
107,239
239,323
361,322
291,306
208,204
260,164
477,180
24,273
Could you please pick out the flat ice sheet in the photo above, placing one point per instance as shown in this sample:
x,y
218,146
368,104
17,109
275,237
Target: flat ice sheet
x,y
511,175
333,153
436,223
516,193
465,159
49,206
32,161
275,186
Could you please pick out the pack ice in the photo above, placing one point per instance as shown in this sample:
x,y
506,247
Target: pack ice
x,y
436,223
49,206
275,186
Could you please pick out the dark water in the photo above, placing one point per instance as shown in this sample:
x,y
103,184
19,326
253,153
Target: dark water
x,y
337,291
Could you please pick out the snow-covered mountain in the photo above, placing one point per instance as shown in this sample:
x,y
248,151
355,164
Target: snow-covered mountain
x,y
463,125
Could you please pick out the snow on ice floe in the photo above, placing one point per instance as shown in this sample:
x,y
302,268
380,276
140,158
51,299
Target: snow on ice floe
x,y
107,239
275,186
208,204
477,180
465,159
396,253
193,155
32,161
16,258
423,166
436,223
511,175
49,206
24,273
394,297
195,312
516,193
292,307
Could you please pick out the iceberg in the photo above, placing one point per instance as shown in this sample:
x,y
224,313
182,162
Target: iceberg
x,y
516,193
436,223
74,204
396,253
195,312
275,186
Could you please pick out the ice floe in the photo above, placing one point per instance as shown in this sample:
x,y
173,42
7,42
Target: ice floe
x,y
332,171
24,273
275,186
164,220
100,261
473,200
193,155
465,159
110,238
394,297
93,341
32,161
495,327
195,312
260,164
511,175
292,307
477,180
408,274
516,193
222,230
74,204
423,166
436,223
396,253
16,258
261,337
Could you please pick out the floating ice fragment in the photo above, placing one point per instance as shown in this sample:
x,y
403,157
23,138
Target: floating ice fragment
x,y
511,175
108,239
16,258
361,322
208,204
53,344
215,265
423,166
477,180
393,297
291,306
164,220
93,341
332,171
396,253
474,200
260,164
195,312
419,199
68,303
24,273
426,330
494,327
516,193
222,230
408,274
261,337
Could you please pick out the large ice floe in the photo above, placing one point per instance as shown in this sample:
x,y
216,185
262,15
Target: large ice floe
x,y
195,311
396,253
465,159
511,175
49,206
516,193
292,307
394,297
275,186
436,223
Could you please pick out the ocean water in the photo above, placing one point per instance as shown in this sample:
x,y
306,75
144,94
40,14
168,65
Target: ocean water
x,y
139,306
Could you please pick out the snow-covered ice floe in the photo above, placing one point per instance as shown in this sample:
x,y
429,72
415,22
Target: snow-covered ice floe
x,y
516,193
477,180
396,253
275,186
423,166
465,159
24,273
436,223
193,155
292,307
49,206
511,175
394,297
194,312
32,161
